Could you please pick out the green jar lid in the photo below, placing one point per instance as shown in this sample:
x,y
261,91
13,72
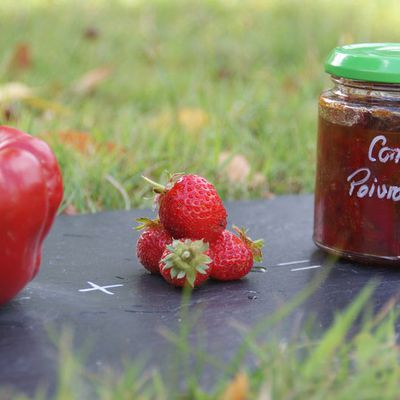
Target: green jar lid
x,y
373,62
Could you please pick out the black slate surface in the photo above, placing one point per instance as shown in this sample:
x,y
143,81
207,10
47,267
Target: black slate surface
x,y
100,249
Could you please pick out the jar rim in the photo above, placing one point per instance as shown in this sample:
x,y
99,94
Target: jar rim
x,y
370,62
363,84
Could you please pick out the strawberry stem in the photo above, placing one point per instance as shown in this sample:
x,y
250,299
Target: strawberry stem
x,y
157,187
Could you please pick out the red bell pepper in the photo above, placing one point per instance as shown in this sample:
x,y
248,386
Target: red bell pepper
x,y
31,191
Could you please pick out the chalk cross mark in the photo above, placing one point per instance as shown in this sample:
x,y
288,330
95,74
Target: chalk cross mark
x,y
103,289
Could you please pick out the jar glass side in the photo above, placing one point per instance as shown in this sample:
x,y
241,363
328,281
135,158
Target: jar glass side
x,y
357,191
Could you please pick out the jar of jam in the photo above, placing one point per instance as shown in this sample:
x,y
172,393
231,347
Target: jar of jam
x,y
357,193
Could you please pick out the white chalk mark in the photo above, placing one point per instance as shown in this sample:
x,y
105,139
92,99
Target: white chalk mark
x,y
304,268
292,262
101,288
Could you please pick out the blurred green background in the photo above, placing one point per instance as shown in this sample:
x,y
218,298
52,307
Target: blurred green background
x,y
225,89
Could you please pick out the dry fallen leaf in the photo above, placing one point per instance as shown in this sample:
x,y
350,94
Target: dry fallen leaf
x,y
47,106
12,91
237,389
21,57
80,141
346,38
236,168
9,113
83,142
265,393
70,210
224,73
162,120
192,119
258,181
91,80
290,85
16,91
91,33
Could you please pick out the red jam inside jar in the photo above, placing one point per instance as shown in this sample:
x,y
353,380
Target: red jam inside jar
x,y
357,193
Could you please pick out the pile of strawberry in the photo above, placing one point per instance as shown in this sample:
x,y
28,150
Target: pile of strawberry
x,y
188,243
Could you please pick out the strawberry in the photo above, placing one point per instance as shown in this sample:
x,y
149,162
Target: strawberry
x,y
186,263
151,243
189,207
233,256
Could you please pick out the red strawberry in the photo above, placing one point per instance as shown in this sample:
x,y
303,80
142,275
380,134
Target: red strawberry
x,y
151,244
189,207
185,263
233,255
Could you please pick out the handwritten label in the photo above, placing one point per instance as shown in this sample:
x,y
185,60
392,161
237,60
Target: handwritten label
x,y
363,184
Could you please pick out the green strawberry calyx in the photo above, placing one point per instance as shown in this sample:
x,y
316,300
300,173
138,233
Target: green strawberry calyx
x,y
186,259
255,246
145,223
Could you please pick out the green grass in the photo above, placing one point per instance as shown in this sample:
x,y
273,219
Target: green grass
x,y
253,68
342,365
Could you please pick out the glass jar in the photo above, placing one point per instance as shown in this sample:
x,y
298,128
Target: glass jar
x,y
357,193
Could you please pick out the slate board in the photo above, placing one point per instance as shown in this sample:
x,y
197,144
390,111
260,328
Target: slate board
x,y
100,248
